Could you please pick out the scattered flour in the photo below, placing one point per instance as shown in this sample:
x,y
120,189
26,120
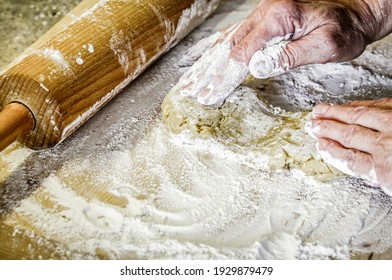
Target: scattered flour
x,y
181,197
90,48
11,159
121,49
193,16
57,57
210,72
189,198
44,87
79,59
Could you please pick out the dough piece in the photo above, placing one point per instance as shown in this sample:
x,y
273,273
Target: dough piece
x,y
245,121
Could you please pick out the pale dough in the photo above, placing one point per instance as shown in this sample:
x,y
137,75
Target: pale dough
x,y
246,122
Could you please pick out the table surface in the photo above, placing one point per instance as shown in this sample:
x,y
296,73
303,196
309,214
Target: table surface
x,y
125,120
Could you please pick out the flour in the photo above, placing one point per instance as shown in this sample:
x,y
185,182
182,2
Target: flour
x,y
266,63
207,78
184,197
122,48
13,157
90,48
208,74
343,166
44,87
79,60
57,57
193,16
218,90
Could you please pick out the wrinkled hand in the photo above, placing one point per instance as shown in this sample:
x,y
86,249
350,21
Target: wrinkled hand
x,y
214,76
284,34
321,32
356,138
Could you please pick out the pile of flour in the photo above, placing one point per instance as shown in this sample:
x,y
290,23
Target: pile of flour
x,y
183,197
177,196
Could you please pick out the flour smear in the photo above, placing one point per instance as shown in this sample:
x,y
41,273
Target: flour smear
x,y
180,197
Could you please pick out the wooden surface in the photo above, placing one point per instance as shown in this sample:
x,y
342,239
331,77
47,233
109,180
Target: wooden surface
x,y
16,122
85,60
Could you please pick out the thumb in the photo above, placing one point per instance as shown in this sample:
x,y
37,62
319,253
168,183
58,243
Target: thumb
x,y
286,55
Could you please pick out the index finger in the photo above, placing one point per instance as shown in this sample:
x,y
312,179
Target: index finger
x,y
374,118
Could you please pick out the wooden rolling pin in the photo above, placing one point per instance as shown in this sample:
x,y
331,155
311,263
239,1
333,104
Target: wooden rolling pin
x,y
84,61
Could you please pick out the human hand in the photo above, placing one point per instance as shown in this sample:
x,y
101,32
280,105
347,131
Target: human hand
x,y
213,71
320,31
356,138
284,34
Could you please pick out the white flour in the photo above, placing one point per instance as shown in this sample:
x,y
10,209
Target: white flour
x,y
208,75
265,63
14,156
186,198
180,197
57,57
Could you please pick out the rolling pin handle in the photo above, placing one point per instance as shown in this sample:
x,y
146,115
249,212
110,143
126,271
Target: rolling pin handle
x,y
16,121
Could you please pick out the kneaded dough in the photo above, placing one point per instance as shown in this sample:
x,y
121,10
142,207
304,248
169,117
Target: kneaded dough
x,y
245,121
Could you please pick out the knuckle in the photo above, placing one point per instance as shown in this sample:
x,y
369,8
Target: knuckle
x,y
344,31
332,42
349,158
357,113
237,54
349,133
380,116
288,58
242,51
236,39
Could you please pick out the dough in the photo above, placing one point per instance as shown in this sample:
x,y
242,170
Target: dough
x,y
246,122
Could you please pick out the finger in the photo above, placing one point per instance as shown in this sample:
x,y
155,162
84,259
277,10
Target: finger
x,y
349,161
279,58
220,86
349,136
268,62
257,39
273,20
246,27
373,118
202,71
208,66
385,103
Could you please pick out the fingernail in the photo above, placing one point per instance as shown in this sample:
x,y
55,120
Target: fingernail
x,y
320,109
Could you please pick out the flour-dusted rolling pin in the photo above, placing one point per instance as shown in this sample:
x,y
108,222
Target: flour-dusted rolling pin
x,y
84,61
